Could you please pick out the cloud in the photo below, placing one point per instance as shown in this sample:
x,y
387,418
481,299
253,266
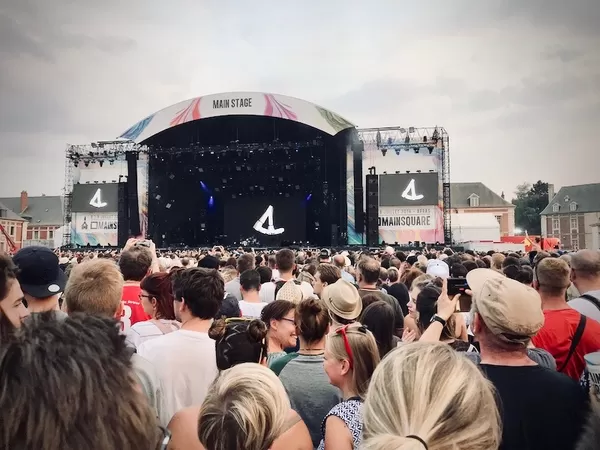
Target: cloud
x,y
501,76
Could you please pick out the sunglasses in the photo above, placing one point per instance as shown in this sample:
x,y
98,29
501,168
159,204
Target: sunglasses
x,y
343,331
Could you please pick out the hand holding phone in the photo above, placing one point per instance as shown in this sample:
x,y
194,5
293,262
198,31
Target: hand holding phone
x,y
460,287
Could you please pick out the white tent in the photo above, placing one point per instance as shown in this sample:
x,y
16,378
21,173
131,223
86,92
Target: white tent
x,y
469,227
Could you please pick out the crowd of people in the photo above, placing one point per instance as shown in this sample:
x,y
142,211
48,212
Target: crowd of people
x,y
299,349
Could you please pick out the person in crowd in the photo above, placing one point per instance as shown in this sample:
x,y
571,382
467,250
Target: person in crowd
x,y
250,305
266,274
185,359
541,408
409,276
566,333
351,356
87,397
368,274
135,262
454,332
156,297
230,307
326,274
272,264
306,276
343,302
244,262
302,373
341,262
438,269
585,275
95,288
379,319
12,308
411,393
397,289
237,341
497,260
247,408
41,279
410,321
285,262
280,319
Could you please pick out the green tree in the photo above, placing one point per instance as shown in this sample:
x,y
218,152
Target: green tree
x,y
530,201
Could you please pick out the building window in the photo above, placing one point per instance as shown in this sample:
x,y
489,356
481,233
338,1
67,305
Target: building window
x,y
499,219
574,225
574,242
12,231
556,208
50,234
555,226
474,201
573,206
36,235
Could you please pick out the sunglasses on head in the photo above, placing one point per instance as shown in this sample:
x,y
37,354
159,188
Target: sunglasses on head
x,y
343,331
165,438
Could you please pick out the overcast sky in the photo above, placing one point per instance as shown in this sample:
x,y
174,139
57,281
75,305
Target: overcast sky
x,y
515,83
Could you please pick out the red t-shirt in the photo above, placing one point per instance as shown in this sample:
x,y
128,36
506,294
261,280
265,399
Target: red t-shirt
x,y
133,311
556,336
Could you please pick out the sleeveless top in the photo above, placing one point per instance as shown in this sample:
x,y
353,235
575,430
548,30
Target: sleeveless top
x,y
350,411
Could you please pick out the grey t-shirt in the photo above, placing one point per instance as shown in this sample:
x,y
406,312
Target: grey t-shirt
x,y
311,395
585,307
540,356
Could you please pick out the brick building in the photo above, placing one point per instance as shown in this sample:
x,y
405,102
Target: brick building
x,y
478,198
573,216
14,226
44,215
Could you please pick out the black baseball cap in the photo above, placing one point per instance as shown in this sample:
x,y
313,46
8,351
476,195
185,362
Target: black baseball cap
x,y
209,262
39,273
325,254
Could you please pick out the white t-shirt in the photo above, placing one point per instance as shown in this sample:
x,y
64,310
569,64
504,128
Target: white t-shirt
x,y
267,291
250,309
186,365
142,331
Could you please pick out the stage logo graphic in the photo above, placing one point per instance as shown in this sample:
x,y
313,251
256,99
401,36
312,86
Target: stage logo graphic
x,y
410,193
270,229
96,200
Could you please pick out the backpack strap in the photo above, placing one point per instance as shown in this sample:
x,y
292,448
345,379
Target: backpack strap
x,y
575,341
593,300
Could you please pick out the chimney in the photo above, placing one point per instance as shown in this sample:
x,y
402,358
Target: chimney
x,y
503,196
550,192
24,201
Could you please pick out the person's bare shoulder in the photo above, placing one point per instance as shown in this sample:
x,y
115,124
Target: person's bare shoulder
x,y
296,437
184,430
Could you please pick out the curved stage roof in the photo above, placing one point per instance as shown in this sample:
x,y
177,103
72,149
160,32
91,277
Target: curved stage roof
x,y
237,103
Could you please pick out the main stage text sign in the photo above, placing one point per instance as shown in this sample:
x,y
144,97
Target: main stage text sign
x,y
95,229
418,189
95,198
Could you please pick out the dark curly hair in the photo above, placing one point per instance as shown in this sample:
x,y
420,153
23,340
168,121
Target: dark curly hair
x,y
8,275
238,340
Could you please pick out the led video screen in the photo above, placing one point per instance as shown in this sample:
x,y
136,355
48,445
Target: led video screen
x,y
265,220
410,189
95,198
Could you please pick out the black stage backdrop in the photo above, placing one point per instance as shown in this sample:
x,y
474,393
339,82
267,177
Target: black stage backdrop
x,y
289,214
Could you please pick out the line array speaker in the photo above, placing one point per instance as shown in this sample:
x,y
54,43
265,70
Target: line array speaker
x,y
132,194
372,221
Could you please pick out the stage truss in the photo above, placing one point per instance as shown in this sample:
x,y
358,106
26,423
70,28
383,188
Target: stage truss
x,y
96,152
415,138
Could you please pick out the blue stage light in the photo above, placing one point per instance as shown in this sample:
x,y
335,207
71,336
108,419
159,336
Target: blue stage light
x,y
211,201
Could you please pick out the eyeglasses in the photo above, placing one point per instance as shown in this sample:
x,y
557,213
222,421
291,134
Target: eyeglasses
x,y
165,438
343,331
289,320
141,296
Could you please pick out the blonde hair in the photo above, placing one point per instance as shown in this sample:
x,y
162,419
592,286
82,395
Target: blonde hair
x,y
246,407
365,354
431,391
94,287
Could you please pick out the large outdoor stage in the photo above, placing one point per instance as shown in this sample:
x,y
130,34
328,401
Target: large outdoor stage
x,y
258,170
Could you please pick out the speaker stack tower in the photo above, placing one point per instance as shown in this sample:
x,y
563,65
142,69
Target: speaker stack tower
x,y
372,222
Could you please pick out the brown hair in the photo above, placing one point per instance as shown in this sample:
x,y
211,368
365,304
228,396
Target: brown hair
x,y
77,358
202,290
328,273
94,287
369,270
135,263
285,260
312,320
245,262
276,310
410,276
159,286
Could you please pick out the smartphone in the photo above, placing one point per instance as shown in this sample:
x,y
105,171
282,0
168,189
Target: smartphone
x,y
459,286
144,243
